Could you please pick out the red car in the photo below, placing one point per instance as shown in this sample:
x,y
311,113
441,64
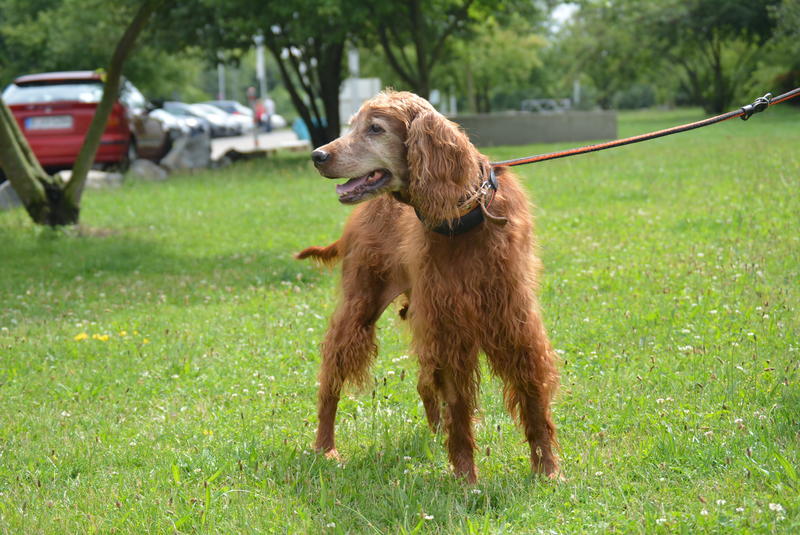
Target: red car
x,y
54,111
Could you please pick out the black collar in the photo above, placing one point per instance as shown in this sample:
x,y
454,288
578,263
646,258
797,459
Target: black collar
x,y
454,227
469,220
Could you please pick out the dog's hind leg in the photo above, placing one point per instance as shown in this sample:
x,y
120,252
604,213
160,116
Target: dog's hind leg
x,y
525,361
448,361
349,346
429,393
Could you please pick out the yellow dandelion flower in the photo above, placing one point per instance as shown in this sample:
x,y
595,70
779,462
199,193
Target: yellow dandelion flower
x,y
81,336
146,341
208,432
123,333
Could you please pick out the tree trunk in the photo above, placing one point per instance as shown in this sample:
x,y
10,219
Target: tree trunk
x,y
74,189
33,186
330,84
321,129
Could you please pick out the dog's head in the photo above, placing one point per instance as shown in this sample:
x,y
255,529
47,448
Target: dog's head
x,y
398,143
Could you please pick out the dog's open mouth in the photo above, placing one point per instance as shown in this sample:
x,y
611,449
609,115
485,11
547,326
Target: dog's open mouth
x,y
355,189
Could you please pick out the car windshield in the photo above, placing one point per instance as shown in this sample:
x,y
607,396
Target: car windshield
x,y
224,105
38,93
176,108
206,108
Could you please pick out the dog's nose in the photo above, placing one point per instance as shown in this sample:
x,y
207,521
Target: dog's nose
x,y
319,156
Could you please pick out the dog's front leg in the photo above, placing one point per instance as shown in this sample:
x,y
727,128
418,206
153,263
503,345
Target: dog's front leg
x,y
347,352
459,391
349,347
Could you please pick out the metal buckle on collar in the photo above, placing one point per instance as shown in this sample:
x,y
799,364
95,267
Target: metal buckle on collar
x,y
492,180
473,210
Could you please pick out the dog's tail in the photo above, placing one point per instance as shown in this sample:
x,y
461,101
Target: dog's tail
x,y
325,255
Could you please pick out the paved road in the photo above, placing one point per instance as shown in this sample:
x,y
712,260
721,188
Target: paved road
x,y
277,139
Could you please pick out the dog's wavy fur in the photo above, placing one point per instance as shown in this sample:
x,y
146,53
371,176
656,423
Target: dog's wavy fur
x,y
464,294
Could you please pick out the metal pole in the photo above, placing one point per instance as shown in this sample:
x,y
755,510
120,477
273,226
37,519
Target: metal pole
x,y
261,71
220,77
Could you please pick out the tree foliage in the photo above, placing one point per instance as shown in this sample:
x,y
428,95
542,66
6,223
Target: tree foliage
x,y
709,48
53,35
783,58
496,58
417,36
306,38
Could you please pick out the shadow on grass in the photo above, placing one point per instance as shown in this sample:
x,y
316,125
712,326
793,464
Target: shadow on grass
x,y
43,258
394,485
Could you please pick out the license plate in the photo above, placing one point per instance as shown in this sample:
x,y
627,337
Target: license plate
x,y
49,122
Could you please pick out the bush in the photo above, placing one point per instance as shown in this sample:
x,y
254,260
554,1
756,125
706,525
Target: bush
x,y
637,96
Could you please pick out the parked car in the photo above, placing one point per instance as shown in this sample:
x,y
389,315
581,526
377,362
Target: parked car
x,y
219,122
231,106
54,111
241,113
187,126
234,124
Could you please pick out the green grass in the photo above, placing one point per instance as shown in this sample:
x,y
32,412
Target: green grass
x,y
671,291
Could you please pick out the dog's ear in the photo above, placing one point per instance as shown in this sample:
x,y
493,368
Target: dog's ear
x,y
442,163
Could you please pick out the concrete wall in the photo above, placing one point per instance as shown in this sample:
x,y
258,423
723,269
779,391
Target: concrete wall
x,y
520,128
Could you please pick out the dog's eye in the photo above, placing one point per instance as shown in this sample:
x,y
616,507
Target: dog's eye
x,y
375,129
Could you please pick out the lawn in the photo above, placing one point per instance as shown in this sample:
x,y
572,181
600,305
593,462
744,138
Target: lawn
x,y
158,366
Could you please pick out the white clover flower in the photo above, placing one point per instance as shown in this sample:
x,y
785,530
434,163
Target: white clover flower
x,y
778,508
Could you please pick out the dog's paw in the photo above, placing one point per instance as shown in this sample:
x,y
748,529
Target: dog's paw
x,y
332,455
546,464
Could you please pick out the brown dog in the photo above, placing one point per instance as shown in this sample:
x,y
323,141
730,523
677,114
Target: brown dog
x,y
425,229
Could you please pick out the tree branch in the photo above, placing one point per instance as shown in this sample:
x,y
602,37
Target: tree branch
x,y
401,50
459,16
24,173
404,74
312,98
91,142
297,100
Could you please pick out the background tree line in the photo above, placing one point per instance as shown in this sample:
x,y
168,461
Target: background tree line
x,y
490,53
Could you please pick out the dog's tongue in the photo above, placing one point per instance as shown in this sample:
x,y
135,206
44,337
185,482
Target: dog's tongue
x,y
355,183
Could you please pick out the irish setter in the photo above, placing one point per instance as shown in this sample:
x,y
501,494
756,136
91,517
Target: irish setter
x,y
466,291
